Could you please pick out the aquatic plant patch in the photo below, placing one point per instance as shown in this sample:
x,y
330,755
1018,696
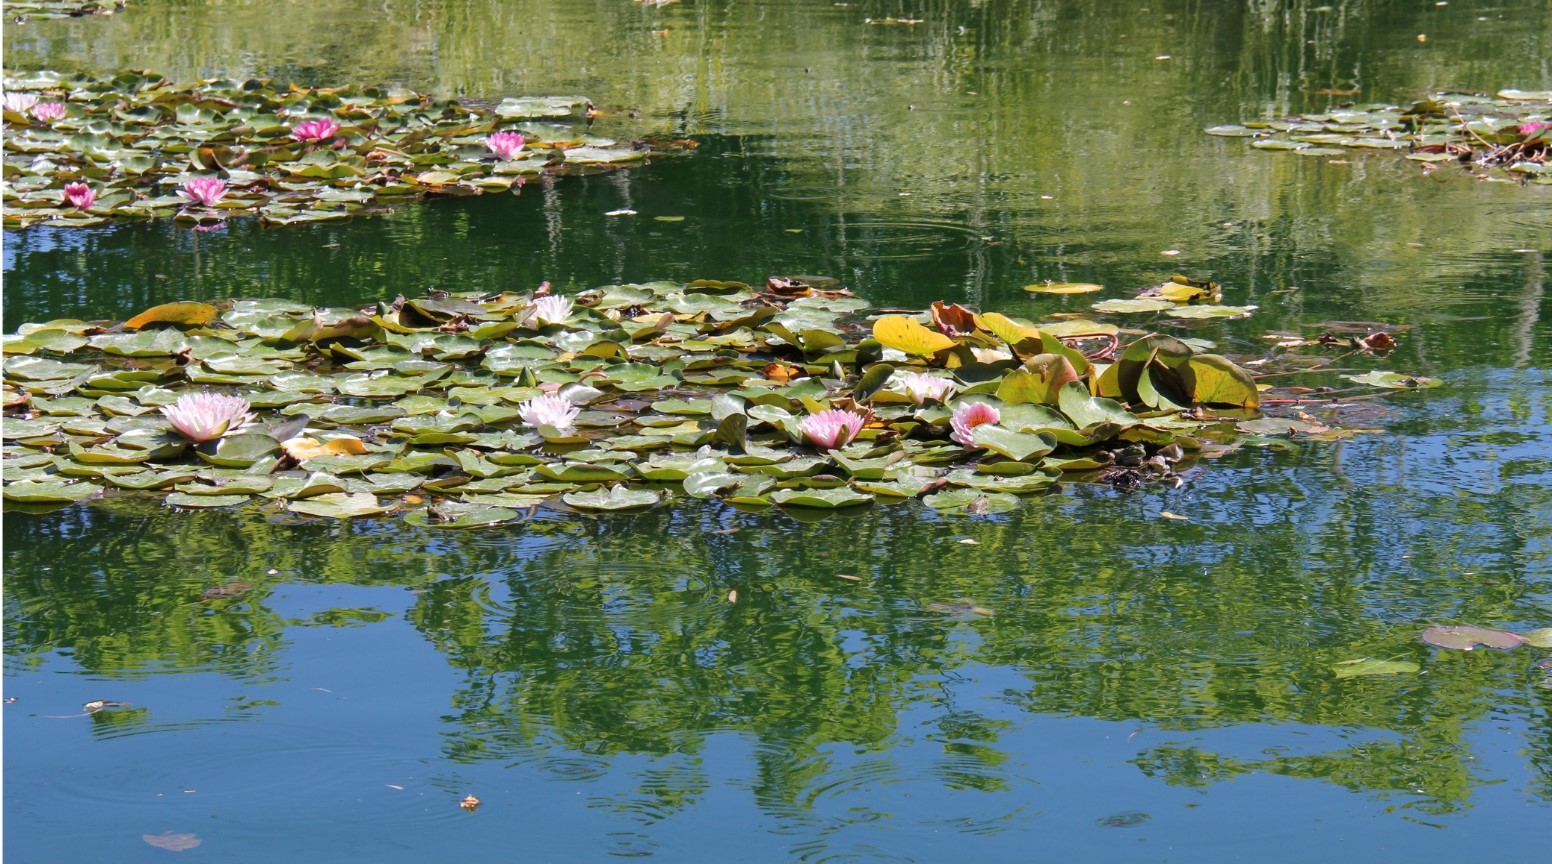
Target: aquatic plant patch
x,y
1509,134
80,151
22,11
465,410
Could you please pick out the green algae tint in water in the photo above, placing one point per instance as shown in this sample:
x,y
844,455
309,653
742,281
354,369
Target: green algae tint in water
x,y
1086,678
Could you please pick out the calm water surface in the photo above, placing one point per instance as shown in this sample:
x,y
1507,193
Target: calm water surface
x,y
1084,678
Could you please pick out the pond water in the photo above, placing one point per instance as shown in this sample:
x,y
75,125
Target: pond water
x,y
1078,677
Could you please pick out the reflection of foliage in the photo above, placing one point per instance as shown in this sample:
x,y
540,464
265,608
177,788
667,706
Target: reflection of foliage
x,y
141,599
22,11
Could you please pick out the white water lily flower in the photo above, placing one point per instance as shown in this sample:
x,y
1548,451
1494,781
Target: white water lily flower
x,y
202,417
552,309
547,410
924,388
21,103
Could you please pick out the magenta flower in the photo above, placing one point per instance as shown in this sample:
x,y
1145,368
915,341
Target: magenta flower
x,y
202,417
80,196
21,103
506,145
48,112
1533,128
203,190
923,388
321,129
833,428
967,417
547,410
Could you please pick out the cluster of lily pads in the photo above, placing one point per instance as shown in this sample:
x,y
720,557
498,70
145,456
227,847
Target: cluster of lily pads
x,y
81,150
1511,131
22,11
1456,637
464,409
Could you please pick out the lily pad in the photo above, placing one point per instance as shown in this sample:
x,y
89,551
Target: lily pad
x,y
822,499
1368,666
1467,637
616,497
1394,380
340,505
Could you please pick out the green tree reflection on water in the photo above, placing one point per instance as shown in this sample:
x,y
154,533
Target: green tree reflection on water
x,y
617,635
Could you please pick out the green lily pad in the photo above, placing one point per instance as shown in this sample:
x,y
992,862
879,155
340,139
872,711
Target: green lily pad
x,y
972,501
1394,380
1018,446
1368,666
824,499
453,514
340,505
46,491
616,497
182,499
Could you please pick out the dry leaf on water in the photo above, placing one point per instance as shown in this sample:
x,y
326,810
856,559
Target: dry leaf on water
x,y
172,842
303,449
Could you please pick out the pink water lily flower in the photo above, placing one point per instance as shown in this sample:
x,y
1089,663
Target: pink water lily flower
x,y
967,417
923,388
1533,127
506,145
80,196
832,428
321,129
202,417
21,103
547,410
203,190
48,112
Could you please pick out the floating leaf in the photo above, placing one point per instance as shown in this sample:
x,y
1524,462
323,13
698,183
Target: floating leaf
x,y
1466,637
1064,288
186,314
1019,446
972,501
172,842
903,333
824,499
1394,380
340,505
457,515
616,497
1369,666
1132,306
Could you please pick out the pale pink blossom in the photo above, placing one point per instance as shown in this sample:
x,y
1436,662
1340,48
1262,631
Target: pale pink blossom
x,y
21,103
203,190
549,309
202,417
80,196
832,428
506,145
547,410
48,112
967,417
924,388
1533,127
319,130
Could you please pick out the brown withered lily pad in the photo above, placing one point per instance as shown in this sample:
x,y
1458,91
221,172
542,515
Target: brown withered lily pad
x,y
1465,637
172,842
